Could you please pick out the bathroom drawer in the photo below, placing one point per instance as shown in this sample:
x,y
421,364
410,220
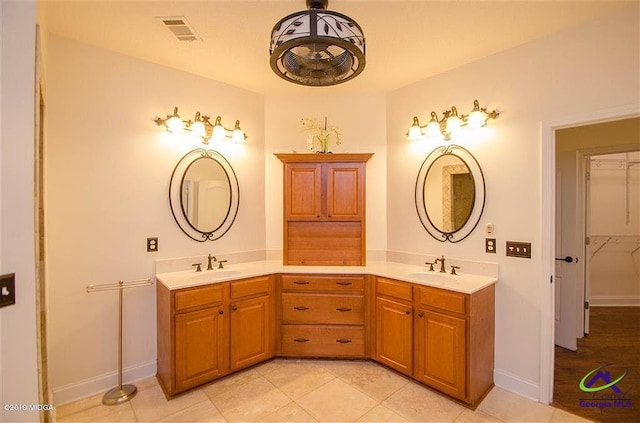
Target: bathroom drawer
x,y
323,308
395,289
198,297
248,287
322,341
323,283
442,299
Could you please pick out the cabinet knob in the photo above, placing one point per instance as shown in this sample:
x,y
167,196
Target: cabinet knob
x,y
330,216
220,311
234,308
421,314
407,312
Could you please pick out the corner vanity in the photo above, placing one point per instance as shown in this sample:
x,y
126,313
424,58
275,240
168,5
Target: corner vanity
x,y
324,299
436,328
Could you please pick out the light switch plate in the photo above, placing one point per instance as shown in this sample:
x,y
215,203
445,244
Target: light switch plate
x,y
519,249
7,290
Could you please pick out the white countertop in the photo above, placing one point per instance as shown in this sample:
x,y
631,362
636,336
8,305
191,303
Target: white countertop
x,y
462,282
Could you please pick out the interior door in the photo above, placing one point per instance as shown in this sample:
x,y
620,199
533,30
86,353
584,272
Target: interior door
x,y
565,276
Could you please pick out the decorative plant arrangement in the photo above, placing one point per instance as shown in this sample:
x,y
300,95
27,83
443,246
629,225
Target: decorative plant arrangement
x,y
319,135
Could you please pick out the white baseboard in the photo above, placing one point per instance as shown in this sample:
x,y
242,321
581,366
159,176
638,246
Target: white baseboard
x,y
102,383
516,384
614,301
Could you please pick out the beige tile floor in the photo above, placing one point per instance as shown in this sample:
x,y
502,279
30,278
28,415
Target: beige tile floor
x,y
291,391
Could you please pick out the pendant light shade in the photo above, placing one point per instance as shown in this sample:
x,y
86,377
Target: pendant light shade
x,y
317,47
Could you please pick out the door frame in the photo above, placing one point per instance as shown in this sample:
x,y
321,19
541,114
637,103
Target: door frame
x,y
547,236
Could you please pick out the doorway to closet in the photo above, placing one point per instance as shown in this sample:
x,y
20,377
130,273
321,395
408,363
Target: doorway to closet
x,y
598,291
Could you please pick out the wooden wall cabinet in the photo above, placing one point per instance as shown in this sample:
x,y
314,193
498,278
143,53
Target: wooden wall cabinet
x,y
324,209
322,316
209,331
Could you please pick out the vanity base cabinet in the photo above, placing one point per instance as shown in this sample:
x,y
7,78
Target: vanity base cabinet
x,y
200,347
394,325
394,329
250,332
440,352
454,340
209,331
322,316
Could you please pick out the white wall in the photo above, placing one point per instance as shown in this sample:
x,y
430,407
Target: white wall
x,y
18,351
109,167
361,117
577,71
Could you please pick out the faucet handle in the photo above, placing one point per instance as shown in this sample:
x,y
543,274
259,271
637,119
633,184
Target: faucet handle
x,y
198,267
453,269
430,265
220,262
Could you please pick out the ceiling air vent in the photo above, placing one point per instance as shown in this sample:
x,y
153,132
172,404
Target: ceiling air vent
x,y
180,27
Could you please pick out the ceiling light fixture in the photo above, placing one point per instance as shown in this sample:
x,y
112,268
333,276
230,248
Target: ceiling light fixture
x,y
450,123
201,127
317,47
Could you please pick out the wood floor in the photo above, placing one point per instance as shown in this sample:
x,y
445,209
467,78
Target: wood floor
x,y
613,340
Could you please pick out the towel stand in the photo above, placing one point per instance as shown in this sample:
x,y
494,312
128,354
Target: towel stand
x,y
121,393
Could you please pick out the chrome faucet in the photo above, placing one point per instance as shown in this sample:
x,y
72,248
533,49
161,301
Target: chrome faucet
x,y
210,260
442,265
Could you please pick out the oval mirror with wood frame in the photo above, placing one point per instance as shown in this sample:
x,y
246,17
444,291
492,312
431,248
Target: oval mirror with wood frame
x,y
450,193
204,195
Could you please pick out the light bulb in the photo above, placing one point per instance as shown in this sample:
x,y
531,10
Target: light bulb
x,y
197,129
175,124
415,133
237,136
454,123
432,130
219,132
476,119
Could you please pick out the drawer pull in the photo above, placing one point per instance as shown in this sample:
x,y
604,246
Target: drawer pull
x,y
301,340
343,341
343,283
301,282
343,309
301,308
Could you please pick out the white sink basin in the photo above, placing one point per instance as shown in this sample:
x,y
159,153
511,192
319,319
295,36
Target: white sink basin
x,y
430,277
212,275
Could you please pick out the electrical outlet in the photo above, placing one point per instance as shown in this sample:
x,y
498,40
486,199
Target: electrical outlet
x,y
519,249
7,290
152,245
490,245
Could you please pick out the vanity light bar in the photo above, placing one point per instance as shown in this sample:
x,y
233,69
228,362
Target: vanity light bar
x,y
450,123
202,127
